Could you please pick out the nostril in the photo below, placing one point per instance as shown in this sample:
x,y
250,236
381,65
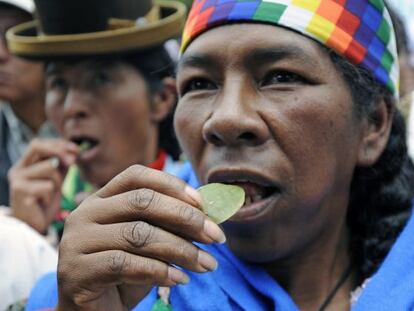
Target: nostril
x,y
248,136
81,115
215,140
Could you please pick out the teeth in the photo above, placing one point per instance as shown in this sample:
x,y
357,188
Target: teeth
x,y
251,199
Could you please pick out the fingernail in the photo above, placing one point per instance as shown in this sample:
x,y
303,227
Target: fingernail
x,y
193,194
54,162
177,276
207,261
214,232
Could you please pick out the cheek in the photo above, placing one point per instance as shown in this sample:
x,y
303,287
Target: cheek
x,y
188,123
30,73
127,121
318,135
54,112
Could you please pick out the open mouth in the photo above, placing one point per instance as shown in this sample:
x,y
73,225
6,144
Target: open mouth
x,y
260,193
255,193
87,146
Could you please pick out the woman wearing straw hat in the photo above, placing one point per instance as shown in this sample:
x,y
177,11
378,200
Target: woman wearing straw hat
x,y
300,112
109,93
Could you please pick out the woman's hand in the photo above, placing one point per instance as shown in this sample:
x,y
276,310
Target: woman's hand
x,y
125,239
36,181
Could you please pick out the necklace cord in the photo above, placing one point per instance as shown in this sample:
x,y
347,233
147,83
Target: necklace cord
x,y
338,285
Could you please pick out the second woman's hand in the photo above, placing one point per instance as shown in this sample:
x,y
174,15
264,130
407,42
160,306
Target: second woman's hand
x,y
36,181
130,236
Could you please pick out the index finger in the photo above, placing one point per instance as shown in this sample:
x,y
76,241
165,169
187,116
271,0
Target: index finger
x,y
43,149
138,176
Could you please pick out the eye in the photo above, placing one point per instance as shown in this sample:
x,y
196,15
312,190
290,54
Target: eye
x,y
56,83
199,84
101,77
277,77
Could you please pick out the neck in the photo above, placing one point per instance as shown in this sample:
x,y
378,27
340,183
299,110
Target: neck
x,y
152,148
312,275
31,112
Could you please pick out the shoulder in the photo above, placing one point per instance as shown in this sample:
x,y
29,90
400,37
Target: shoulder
x,y
392,287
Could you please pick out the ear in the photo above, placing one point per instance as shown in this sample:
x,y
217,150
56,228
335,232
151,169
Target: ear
x,y
377,128
164,101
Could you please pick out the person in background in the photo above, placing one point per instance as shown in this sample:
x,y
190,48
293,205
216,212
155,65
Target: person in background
x,y
25,256
300,111
22,97
406,77
109,93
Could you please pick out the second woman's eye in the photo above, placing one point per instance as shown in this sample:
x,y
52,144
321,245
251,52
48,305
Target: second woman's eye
x,y
199,84
101,77
56,83
277,77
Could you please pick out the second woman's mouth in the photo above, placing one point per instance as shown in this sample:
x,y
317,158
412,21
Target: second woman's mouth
x,y
88,146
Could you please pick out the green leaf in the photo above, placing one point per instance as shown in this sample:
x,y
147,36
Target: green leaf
x,y
161,306
221,201
85,146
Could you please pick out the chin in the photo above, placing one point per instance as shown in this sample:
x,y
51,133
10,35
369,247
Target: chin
x,y
95,176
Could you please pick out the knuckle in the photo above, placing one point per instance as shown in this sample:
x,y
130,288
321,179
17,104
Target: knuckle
x,y
135,171
117,262
138,235
188,215
142,198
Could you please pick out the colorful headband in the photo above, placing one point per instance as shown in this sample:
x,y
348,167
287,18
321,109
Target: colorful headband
x,y
359,30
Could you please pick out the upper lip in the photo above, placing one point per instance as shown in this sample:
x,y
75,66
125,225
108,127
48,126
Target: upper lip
x,y
237,175
80,136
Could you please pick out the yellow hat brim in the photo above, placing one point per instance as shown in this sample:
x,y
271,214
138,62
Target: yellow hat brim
x,y
97,43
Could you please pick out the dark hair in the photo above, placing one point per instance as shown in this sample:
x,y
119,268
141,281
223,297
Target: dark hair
x,y
381,195
155,64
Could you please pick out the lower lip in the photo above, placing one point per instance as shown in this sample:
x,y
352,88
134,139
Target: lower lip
x,y
89,154
255,210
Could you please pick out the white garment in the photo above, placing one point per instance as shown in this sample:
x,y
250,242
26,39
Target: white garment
x,y
24,257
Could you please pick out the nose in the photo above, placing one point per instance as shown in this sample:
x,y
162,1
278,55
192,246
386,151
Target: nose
x,y
235,120
76,105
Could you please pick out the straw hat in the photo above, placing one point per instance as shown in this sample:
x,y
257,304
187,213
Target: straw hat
x,y
71,28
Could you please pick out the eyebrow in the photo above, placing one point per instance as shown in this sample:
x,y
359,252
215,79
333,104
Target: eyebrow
x,y
199,60
257,57
263,56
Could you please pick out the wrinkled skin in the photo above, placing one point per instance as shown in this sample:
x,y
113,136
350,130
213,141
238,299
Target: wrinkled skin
x,y
269,110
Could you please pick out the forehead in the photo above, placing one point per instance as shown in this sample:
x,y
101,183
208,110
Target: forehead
x,y
85,65
258,40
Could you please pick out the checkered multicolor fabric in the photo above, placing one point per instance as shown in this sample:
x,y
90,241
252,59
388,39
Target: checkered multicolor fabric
x,y
360,30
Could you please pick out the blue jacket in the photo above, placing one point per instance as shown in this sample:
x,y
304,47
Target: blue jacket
x,y
237,285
